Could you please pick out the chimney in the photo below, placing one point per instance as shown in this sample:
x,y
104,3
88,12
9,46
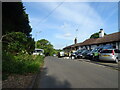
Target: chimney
x,y
101,33
75,41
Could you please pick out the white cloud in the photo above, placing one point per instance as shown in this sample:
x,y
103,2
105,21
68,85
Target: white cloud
x,y
74,16
67,34
71,16
81,15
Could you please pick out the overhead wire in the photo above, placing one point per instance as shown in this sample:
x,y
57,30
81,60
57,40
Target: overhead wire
x,y
49,14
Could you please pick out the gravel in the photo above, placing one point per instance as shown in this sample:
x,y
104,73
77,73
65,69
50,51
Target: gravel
x,y
18,81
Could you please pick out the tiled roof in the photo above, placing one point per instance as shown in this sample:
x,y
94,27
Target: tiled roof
x,y
109,38
114,37
69,46
87,42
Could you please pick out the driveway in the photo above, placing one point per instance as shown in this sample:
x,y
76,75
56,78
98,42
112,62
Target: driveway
x,y
67,73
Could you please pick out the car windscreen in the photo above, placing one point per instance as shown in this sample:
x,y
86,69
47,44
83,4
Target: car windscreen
x,y
84,51
38,51
107,47
94,50
106,51
79,51
75,52
117,51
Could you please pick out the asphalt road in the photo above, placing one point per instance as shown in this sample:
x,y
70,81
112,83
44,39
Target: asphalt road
x,y
66,73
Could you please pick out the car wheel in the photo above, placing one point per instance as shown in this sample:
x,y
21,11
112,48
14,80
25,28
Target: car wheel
x,y
116,60
72,57
93,58
75,57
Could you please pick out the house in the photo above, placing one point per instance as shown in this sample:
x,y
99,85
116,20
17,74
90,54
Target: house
x,y
110,39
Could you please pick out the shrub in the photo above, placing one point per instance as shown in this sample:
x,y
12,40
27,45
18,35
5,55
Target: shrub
x,y
20,64
17,42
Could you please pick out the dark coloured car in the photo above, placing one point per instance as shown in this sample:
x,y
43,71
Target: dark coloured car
x,y
74,55
90,54
81,55
85,53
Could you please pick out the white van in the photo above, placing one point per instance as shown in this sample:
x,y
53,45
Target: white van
x,y
38,52
61,54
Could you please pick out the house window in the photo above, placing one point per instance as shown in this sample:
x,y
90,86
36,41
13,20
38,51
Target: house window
x,y
114,45
118,45
89,47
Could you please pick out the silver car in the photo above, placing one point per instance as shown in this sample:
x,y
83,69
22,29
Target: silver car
x,y
110,55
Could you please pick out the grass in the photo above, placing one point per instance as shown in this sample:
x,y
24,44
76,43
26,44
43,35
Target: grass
x,y
20,64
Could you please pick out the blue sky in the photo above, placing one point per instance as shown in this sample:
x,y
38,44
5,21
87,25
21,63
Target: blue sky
x,y
57,22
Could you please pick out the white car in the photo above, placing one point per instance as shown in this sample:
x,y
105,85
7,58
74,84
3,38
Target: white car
x,y
62,53
110,55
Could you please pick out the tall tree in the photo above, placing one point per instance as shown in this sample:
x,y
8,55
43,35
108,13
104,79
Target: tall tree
x,y
46,45
15,18
17,42
16,29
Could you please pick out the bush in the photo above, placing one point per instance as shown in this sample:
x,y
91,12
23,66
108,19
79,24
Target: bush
x,y
17,42
46,46
20,64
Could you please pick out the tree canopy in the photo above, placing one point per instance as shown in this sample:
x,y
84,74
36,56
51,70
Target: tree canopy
x,y
96,35
16,29
14,18
16,42
47,46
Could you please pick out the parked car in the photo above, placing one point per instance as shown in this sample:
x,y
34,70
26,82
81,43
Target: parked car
x,y
85,53
91,54
61,54
80,50
38,52
81,55
99,49
94,54
74,55
110,55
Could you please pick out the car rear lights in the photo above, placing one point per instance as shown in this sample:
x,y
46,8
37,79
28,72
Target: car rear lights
x,y
113,53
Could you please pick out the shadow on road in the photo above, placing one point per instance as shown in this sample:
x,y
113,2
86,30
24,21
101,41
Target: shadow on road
x,y
43,80
105,63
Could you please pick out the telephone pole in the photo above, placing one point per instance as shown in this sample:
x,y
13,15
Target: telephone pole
x,y
76,33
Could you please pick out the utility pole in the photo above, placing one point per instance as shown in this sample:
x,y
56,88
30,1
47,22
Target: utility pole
x,y
76,33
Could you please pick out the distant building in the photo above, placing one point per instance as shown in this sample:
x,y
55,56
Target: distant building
x,y
110,39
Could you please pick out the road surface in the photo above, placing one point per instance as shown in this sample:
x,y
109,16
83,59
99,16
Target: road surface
x,y
66,73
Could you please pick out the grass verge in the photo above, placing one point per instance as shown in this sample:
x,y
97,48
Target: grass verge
x,y
20,64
